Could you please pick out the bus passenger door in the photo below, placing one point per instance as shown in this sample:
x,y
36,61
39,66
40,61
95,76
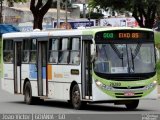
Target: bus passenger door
x,y
42,68
17,66
86,70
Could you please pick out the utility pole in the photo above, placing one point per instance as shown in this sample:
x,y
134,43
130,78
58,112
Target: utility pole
x,y
89,17
84,10
1,9
66,5
58,13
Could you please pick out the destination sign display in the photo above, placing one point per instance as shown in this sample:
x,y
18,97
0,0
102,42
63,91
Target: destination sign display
x,y
124,35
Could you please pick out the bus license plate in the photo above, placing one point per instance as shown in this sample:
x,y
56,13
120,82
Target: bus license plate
x,y
128,94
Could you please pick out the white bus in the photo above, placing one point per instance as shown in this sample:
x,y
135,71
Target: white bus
x,y
114,65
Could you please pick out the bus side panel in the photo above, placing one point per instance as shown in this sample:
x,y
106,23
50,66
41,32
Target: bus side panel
x,y
24,74
34,88
55,88
8,78
8,85
30,74
25,71
64,91
59,82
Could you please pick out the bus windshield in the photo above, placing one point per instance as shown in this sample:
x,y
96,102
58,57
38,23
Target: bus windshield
x,y
125,58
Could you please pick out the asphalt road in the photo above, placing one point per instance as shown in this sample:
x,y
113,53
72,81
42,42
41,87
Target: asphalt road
x,y
14,104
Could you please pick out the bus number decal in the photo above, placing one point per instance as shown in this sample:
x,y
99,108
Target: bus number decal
x,y
117,84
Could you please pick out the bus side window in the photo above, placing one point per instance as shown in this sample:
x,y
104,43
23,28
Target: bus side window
x,y
26,51
64,52
8,51
33,51
53,50
75,51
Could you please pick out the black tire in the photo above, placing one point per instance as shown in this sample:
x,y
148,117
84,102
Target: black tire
x,y
69,102
39,101
76,98
132,105
28,94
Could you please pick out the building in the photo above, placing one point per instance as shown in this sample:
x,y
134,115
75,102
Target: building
x,y
21,13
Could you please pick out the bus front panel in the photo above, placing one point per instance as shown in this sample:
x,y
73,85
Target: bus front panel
x,y
124,66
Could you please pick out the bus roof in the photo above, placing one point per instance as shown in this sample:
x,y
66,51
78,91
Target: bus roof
x,y
24,35
75,32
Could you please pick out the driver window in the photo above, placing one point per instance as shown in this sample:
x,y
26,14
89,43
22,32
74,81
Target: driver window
x,y
145,54
101,55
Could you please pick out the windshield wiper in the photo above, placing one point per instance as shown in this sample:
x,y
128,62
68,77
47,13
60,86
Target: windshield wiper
x,y
133,56
137,50
120,55
122,58
116,50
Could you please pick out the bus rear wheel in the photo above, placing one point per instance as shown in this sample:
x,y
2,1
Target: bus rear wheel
x,y
132,104
75,98
28,94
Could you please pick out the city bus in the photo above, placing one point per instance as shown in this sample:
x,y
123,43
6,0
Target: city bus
x,y
91,65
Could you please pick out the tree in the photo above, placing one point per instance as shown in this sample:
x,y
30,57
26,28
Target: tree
x,y
11,2
62,4
144,11
39,8
93,15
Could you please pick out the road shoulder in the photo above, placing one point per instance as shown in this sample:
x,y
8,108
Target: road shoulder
x,y
158,91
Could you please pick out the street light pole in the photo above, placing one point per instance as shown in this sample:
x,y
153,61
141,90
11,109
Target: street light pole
x,y
58,13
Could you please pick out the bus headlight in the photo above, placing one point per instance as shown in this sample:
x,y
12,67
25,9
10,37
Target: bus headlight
x,y
103,86
98,83
151,85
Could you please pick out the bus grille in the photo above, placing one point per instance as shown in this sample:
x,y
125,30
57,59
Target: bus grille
x,y
137,87
128,96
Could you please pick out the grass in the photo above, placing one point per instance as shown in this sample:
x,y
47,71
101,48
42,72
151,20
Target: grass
x,y
157,42
158,72
157,38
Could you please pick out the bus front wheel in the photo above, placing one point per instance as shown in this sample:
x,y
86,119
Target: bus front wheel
x,y
132,104
75,98
28,94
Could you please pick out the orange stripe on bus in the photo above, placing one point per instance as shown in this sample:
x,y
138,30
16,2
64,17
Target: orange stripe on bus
x,y
49,72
